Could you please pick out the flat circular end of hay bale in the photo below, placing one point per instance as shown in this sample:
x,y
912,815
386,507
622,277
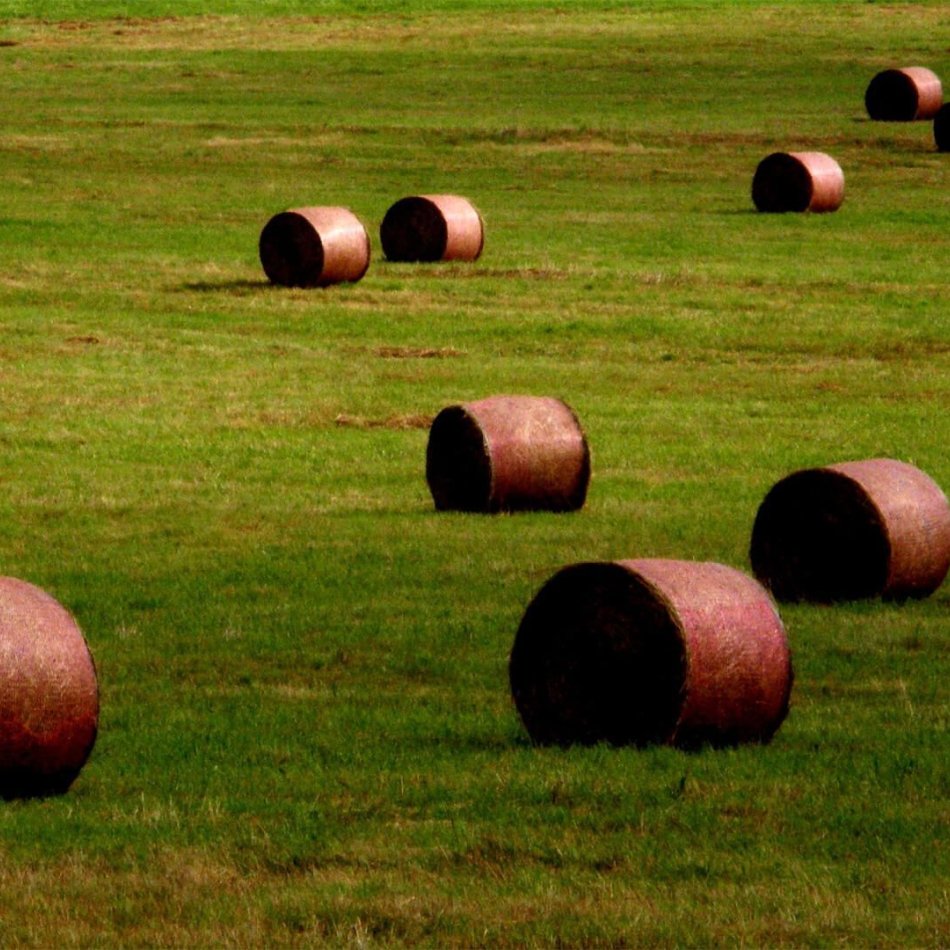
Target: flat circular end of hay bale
x,y
942,129
428,228
598,657
291,251
458,462
314,247
49,696
903,95
818,537
797,182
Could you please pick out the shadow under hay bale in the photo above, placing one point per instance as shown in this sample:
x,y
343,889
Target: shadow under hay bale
x,y
798,181
314,247
432,228
903,95
942,129
508,453
651,651
852,531
49,696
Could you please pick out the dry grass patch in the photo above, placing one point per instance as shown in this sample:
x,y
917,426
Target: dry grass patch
x,y
416,421
417,353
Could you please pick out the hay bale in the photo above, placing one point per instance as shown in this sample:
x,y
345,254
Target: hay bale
x,y
942,129
851,531
651,651
903,95
798,181
508,453
432,228
49,697
314,247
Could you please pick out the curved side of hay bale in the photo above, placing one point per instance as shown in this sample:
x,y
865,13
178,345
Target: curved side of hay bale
x,y
508,453
942,129
798,181
739,678
903,95
314,247
651,651
432,228
852,531
916,519
49,695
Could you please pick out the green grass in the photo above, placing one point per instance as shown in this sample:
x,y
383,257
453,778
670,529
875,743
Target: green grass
x,y
306,731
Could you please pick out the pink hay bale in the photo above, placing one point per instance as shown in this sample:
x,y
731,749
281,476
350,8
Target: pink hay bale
x,y
942,129
798,181
49,696
903,95
651,651
432,228
851,531
508,453
314,247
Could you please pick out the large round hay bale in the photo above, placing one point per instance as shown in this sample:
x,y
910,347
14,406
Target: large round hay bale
x,y
942,129
508,453
903,95
798,181
851,531
651,651
314,247
49,697
432,228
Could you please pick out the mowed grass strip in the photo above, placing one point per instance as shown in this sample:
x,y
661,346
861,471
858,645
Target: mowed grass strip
x,y
306,729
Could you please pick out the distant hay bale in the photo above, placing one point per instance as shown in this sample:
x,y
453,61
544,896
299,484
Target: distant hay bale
x,y
942,129
651,651
851,531
508,453
314,247
432,228
798,181
903,95
49,696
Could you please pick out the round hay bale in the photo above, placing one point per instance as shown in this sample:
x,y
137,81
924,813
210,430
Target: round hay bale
x,y
903,95
942,129
798,181
314,247
851,531
432,228
651,651
49,697
508,453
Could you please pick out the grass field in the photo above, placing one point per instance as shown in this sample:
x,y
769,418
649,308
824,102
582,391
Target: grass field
x,y
306,732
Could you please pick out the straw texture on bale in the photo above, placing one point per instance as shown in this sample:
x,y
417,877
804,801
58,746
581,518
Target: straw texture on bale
x,y
314,247
798,181
903,95
508,453
651,651
432,228
942,129
851,531
49,696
